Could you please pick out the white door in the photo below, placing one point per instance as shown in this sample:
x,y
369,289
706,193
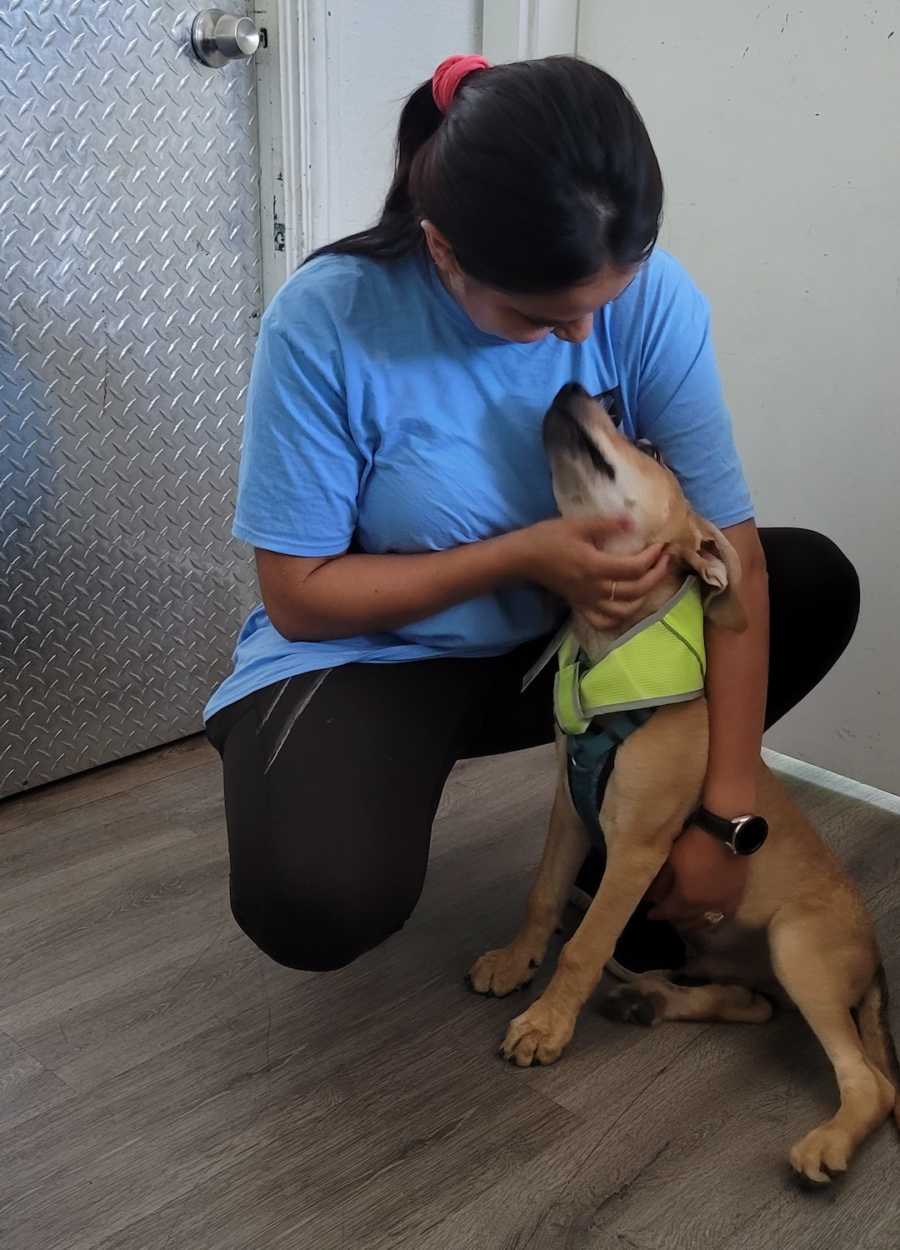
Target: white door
x,y
151,204
778,130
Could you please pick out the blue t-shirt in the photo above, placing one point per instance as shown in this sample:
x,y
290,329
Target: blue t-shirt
x,y
380,415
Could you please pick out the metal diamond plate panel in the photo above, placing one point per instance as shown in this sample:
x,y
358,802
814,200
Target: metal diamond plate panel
x,y
129,256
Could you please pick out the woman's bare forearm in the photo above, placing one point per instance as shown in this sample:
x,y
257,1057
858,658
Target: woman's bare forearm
x,y
736,685
311,600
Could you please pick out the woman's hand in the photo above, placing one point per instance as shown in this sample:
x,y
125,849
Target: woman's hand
x,y
700,876
567,557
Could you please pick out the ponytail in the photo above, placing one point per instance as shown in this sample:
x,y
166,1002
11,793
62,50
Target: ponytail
x,y
397,232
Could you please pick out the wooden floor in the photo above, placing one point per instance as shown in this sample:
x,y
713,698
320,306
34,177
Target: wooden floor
x,y
163,1086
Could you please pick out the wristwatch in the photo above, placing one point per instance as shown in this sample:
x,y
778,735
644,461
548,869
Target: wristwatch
x,y
742,836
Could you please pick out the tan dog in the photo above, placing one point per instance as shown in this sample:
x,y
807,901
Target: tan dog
x,y
801,927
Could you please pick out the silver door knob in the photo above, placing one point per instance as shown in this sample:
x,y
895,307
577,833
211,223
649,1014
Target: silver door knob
x,y
218,37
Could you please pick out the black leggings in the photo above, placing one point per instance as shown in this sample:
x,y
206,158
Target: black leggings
x,y
332,778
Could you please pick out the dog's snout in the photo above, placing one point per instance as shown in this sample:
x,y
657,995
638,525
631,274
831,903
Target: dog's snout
x,y
564,431
567,396
561,418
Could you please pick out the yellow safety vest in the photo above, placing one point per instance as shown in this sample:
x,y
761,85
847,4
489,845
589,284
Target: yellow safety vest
x,y
661,660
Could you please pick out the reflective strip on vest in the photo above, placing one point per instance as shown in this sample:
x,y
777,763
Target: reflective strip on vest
x,y
661,660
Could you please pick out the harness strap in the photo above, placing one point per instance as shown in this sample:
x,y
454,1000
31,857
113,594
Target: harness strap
x,y
598,705
590,758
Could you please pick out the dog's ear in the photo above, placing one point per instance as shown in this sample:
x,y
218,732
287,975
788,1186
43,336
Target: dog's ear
x,y
709,553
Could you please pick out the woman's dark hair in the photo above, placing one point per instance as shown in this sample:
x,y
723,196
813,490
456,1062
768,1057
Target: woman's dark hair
x,y
540,175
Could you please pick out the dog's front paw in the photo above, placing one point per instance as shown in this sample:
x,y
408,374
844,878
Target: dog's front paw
x,y
539,1035
821,1154
501,971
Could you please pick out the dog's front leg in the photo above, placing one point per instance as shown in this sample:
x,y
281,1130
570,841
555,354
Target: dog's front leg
x,y
542,1032
511,967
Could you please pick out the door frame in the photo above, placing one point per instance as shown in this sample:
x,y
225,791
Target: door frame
x,y
520,30
292,69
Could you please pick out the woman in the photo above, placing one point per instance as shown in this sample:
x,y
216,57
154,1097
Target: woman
x,y
410,559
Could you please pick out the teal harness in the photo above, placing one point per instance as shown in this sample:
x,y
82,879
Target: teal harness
x,y
590,759
598,706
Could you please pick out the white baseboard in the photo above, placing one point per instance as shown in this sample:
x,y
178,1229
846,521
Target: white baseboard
x,y
832,781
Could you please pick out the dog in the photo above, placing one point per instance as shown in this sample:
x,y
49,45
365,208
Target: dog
x,y
801,932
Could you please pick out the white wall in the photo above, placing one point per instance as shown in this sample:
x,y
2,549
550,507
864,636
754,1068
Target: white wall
x,y
377,52
778,129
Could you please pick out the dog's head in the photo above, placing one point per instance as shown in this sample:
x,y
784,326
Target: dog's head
x,y
598,472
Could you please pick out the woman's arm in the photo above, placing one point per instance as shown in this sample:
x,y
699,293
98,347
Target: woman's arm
x,y
682,411
701,874
737,679
311,598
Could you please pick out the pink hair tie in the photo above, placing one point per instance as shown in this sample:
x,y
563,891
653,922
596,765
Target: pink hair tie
x,y
449,74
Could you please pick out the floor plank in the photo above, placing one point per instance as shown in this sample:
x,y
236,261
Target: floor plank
x,y
26,1087
163,1085
103,782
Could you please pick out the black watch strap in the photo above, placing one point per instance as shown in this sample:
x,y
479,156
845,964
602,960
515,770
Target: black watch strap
x,y
742,836
718,826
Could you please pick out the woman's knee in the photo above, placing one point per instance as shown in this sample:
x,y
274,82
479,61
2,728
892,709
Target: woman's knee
x,y
813,565
318,932
836,580
844,581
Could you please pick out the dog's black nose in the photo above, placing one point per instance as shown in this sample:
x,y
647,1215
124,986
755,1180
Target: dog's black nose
x,y
566,395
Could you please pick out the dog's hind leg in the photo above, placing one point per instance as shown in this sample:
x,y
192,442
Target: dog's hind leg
x,y
873,1022
821,989
650,999
511,967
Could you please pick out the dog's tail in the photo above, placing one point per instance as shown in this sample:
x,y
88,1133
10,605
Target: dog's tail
x,y
875,1031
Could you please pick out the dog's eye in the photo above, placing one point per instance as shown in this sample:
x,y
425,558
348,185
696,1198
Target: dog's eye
x,y
644,445
598,460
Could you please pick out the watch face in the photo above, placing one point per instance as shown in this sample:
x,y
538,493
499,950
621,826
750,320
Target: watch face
x,y
750,835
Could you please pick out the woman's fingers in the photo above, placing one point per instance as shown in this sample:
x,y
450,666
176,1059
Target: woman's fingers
x,y
628,568
612,601
633,592
604,613
597,529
